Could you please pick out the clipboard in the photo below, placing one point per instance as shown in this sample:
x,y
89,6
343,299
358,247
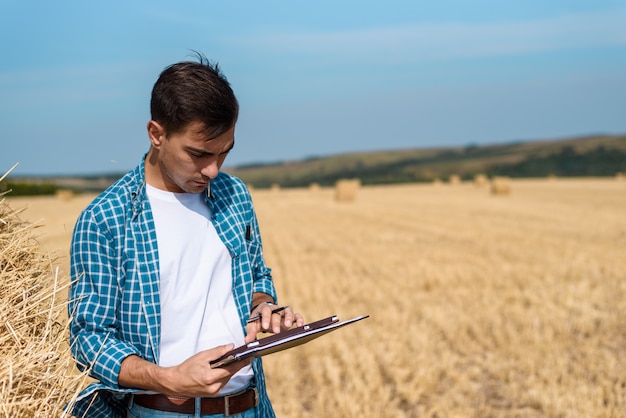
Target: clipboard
x,y
283,340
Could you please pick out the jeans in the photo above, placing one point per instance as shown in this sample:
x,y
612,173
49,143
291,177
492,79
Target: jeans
x,y
136,411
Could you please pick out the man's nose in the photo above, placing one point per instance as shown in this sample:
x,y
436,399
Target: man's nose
x,y
210,169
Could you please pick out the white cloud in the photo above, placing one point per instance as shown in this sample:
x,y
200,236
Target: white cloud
x,y
451,40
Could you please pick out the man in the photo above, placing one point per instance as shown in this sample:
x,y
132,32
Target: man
x,y
167,268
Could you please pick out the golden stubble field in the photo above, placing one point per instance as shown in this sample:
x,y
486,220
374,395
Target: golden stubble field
x,y
480,305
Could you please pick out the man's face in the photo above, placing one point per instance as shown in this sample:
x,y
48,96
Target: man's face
x,y
185,161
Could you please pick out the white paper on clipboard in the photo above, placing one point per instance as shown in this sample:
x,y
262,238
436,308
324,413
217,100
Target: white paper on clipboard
x,y
284,340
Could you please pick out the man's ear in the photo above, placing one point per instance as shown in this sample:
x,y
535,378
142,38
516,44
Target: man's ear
x,y
156,133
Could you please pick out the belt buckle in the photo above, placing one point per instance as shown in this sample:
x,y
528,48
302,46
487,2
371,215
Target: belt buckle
x,y
227,406
227,401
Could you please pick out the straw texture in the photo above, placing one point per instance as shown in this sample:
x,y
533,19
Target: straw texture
x,y
37,374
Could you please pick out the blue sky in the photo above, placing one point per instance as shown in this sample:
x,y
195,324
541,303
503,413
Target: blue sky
x,y
313,78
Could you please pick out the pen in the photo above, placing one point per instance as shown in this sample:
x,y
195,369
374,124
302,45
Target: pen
x,y
254,318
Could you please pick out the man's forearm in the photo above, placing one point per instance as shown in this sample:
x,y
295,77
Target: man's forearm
x,y
259,297
138,373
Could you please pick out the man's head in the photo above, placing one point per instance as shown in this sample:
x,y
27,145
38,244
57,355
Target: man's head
x,y
194,112
194,92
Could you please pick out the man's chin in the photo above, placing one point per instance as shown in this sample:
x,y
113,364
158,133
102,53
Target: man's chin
x,y
196,187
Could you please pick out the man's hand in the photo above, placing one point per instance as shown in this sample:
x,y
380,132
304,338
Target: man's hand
x,y
268,321
192,378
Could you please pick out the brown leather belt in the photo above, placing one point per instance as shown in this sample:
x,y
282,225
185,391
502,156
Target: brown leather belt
x,y
228,405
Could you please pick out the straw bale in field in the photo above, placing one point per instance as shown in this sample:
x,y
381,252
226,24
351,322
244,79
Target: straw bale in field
x,y
314,187
347,189
275,187
620,176
480,180
64,195
37,374
454,179
500,186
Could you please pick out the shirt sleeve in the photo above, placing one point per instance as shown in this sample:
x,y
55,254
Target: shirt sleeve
x,y
262,275
94,295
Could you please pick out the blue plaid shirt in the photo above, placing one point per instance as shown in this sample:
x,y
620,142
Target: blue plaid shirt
x,y
114,299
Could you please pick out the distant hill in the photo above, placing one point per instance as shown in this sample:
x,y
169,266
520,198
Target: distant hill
x,y
600,155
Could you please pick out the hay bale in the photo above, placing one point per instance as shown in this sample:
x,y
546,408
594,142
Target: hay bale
x,y
346,190
275,187
500,186
37,373
454,179
480,180
314,187
64,195
620,176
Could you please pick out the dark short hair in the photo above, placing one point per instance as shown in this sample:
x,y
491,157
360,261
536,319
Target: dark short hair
x,y
194,91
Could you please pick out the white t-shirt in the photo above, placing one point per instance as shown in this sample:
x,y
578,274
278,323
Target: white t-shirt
x,y
198,311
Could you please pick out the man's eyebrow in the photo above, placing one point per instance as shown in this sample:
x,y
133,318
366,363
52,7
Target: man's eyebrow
x,y
203,152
